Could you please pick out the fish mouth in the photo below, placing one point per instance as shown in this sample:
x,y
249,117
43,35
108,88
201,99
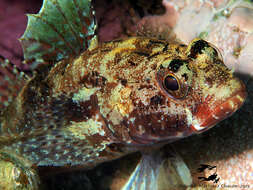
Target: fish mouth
x,y
206,118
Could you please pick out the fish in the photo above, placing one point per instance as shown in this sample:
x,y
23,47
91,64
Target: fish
x,y
86,102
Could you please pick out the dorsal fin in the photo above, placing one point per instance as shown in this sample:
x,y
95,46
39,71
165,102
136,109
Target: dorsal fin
x,y
11,82
62,28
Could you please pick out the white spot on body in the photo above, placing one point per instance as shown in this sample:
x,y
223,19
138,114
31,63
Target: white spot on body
x,y
188,117
83,71
84,94
231,104
197,125
239,98
132,119
57,156
141,129
90,127
166,64
215,116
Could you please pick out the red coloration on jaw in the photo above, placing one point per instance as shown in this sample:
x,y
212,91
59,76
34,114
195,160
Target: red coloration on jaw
x,y
206,117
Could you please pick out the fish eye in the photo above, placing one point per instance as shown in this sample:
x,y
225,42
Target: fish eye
x,y
197,47
216,50
170,83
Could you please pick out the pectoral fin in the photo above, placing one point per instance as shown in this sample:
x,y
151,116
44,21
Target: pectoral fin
x,y
159,171
11,82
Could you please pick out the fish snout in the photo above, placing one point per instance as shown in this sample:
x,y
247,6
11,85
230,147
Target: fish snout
x,y
209,114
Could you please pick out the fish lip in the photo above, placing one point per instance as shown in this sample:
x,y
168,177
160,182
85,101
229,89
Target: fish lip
x,y
220,112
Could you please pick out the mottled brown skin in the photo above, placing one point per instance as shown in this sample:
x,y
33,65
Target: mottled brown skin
x,y
132,101
116,98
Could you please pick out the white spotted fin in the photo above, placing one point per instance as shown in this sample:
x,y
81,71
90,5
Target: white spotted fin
x,y
62,29
159,170
11,82
44,135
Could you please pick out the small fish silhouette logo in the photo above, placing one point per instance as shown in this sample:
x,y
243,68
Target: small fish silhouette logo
x,y
205,166
213,177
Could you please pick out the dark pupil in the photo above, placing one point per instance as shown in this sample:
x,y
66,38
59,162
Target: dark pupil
x,y
171,83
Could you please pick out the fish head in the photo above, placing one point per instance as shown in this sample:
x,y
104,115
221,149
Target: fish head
x,y
218,92
193,92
